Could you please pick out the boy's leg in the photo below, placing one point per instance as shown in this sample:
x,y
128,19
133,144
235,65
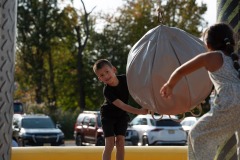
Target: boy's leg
x,y
120,131
120,142
109,144
108,130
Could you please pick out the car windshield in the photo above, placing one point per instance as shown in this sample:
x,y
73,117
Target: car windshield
x,y
167,122
37,123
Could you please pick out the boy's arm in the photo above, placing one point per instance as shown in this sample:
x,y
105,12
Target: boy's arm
x,y
128,108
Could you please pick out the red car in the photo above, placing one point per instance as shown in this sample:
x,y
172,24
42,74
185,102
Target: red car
x,y
88,129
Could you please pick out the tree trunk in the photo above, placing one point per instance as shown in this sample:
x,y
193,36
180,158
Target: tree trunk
x,y
52,92
8,13
80,87
81,82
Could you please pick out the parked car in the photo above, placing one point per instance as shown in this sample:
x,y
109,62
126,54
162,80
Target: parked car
x,y
188,122
18,108
88,129
14,143
155,131
132,137
36,130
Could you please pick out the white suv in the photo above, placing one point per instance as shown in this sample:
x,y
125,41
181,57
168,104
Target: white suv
x,y
148,130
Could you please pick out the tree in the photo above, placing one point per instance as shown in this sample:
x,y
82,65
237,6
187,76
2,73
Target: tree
x,y
42,29
51,34
34,32
83,26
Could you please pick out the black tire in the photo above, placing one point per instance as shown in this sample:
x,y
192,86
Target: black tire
x,y
100,141
21,142
78,140
135,140
145,141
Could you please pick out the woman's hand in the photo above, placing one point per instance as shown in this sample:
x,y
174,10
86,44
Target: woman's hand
x,y
166,91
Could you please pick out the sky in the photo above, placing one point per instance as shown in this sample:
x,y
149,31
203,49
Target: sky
x,y
111,5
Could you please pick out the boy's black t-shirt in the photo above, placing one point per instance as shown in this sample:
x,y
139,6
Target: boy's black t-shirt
x,y
111,94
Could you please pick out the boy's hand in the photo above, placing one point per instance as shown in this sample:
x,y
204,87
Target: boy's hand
x,y
143,111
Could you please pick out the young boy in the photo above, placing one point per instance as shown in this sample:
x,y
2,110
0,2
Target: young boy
x,y
114,110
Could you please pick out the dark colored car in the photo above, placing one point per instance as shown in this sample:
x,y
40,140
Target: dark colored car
x,y
18,108
36,130
88,129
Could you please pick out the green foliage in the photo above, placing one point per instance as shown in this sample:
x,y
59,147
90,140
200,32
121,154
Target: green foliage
x,y
66,120
39,35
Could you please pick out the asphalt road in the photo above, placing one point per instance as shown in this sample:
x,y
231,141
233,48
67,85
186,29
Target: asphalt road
x,y
70,143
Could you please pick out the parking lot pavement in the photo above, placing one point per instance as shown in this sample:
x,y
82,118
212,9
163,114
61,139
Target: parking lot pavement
x,y
70,143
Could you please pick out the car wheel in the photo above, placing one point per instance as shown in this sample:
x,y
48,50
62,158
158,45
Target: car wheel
x,y
100,141
21,142
135,140
79,140
145,141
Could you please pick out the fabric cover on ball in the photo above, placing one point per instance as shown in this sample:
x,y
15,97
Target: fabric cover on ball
x,y
152,60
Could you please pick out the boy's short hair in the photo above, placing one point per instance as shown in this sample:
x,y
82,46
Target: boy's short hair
x,y
100,63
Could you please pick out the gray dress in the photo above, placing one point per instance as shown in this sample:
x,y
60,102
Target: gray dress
x,y
223,120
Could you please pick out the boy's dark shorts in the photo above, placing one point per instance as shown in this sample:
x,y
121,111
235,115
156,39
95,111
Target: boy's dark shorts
x,y
115,126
